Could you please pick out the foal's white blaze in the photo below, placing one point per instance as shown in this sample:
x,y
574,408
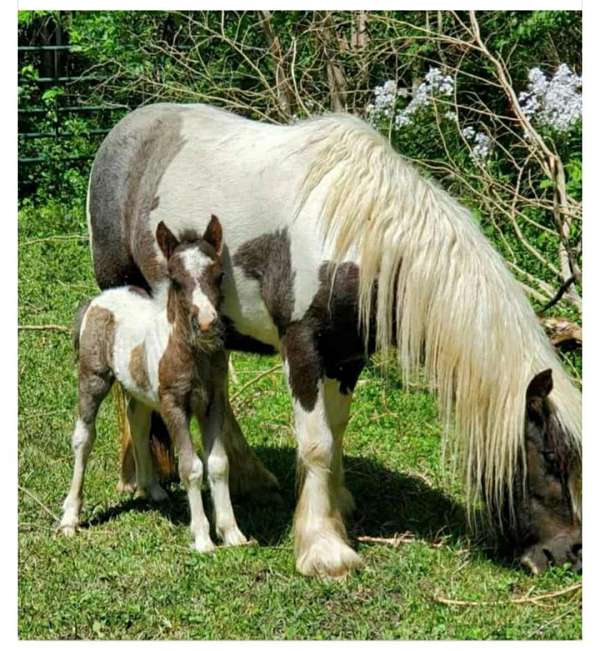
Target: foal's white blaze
x,y
195,263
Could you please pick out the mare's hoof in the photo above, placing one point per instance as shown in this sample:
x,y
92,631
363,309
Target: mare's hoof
x,y
328,557
158,493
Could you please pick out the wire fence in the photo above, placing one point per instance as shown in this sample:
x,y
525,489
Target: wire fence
x,y
60,126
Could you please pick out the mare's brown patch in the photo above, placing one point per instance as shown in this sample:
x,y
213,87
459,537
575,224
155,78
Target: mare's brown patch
x,y
327,340
268,260
138,367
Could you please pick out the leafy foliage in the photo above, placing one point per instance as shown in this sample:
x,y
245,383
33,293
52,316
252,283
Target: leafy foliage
x,y
283,66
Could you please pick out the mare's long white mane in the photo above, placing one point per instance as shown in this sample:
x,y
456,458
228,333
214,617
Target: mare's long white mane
x,y
460,313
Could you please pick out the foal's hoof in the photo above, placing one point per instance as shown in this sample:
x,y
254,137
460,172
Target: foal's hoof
x,y
154,492
204,546
67,530
233,538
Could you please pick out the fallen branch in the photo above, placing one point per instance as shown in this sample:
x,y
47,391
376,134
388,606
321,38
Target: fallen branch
x,y
518,600
559,294
397,540
49,326
254,380
53,238
39,502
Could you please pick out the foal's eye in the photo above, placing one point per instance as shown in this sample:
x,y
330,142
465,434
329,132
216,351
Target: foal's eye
x,y
220,276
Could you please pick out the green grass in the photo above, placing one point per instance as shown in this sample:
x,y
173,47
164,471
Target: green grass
x,y
130,572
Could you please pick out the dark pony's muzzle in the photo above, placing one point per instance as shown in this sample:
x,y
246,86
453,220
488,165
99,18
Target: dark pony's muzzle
x,y
563,548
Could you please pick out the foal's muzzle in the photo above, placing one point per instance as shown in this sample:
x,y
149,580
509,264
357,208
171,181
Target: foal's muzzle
x,y
203,322
208,334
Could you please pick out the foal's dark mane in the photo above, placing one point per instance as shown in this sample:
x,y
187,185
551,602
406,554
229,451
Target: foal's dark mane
x,y
191,237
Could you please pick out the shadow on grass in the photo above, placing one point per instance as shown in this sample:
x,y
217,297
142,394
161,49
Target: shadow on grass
x,y
387,503
175,509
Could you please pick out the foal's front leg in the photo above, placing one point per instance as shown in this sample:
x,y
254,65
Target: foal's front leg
x,y
190,471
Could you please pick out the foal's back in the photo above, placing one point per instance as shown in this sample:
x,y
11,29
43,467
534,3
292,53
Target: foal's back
x,y
126,331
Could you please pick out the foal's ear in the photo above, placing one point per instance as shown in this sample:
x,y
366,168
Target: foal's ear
x,y
540,386
214,234
166,240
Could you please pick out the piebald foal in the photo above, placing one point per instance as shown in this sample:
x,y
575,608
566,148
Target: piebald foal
x,y
168,356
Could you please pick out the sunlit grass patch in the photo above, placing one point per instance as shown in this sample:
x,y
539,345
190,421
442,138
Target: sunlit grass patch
x,y
130,573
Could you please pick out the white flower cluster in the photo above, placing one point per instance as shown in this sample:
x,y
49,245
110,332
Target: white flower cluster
x,y
384,102
553,102
481,144
435,83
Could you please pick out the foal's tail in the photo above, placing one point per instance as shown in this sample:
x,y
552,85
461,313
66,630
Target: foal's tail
x,y
76,331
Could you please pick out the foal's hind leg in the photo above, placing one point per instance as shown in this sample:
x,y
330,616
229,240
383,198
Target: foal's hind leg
x,y
93,388
139,416
126,482
217,465
248,475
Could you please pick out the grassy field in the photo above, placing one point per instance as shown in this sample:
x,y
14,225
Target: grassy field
x,y
131,574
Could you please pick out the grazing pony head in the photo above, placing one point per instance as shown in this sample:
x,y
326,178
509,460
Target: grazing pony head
x,y
195,273
547,521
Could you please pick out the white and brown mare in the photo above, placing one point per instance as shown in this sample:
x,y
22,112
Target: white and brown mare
x,y
337,247
167,353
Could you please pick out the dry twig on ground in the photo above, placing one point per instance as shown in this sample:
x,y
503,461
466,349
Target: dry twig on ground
x,y
534,599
